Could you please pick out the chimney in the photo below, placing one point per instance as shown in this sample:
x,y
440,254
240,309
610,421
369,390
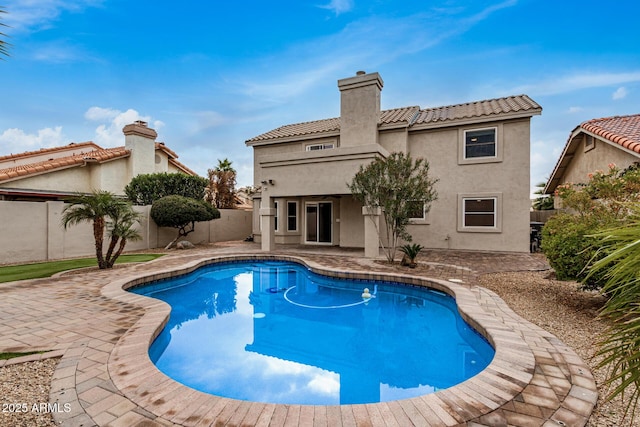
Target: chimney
x,y
360,108
140,140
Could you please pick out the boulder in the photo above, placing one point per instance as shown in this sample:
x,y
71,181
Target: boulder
x,y
185,244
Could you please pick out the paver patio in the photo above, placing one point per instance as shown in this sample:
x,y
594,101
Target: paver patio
x,y
102,334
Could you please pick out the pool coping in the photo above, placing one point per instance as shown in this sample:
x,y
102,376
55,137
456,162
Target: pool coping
x,y
136,377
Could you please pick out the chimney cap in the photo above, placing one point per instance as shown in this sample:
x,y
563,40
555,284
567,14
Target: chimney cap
x,y
139,128
360,73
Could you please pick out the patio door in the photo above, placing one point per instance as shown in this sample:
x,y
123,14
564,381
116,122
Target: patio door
x,y
319,222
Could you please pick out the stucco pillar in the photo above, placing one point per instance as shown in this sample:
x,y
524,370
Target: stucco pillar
x,y
371,216
267,223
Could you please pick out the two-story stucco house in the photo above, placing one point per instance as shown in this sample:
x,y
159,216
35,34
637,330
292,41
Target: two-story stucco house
x,y
55,173
479,151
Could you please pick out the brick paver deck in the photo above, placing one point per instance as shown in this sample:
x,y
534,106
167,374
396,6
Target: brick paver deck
x,y
102,333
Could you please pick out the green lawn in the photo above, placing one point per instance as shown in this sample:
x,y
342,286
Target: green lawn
x,y
5,356
47,269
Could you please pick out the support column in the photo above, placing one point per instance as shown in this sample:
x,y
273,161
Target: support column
x,y
371,231
267,223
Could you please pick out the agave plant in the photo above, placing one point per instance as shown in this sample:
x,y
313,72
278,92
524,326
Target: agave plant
x,y
411,252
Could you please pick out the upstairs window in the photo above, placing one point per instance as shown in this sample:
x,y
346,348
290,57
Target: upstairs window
x,y
315,147
480,143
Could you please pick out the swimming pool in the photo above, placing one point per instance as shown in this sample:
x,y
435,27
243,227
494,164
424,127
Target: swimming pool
x,y
273,331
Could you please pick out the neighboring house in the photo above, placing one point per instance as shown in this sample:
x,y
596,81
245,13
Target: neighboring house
x,y
592,146
56,173
479,151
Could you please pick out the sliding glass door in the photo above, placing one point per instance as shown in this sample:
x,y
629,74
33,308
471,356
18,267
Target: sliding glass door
x,y
319,222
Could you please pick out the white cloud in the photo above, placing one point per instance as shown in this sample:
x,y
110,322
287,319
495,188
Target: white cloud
x,y
620,93
25,15
556,85
338,6
109,132
573,110
18,141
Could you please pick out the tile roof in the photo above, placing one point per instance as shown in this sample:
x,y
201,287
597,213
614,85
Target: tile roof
x,y
412,116
74,145
478,109
618,130
100,155
621,130
89,152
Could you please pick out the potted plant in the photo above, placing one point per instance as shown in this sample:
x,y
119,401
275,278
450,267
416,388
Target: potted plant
x,y
410,252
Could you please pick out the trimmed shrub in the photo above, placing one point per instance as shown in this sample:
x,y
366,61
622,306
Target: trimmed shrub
x,y
569,246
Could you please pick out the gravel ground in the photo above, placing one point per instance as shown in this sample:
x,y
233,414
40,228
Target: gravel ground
x,y
559,307
24,387
571,315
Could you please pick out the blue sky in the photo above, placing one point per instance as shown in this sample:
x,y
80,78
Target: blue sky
x,y
210,75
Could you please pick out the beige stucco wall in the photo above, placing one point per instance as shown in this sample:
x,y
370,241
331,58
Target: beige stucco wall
x,y
595,159
32,232
508,179
324,173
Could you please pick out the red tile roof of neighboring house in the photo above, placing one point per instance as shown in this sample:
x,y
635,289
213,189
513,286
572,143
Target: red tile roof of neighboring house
x,y
621,130
74,145
90,153
412,116
30,169
618,130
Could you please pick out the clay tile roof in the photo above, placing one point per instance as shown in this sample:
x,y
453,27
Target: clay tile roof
x,y
478,109
99,155
76,145
299,129
621,130
410,116
399,115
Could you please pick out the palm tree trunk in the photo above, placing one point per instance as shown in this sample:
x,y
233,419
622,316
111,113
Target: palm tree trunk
x,y
113,259
98,234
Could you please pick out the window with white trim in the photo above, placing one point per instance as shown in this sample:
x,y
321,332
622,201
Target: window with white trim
x,y
315,147
292,216
480,212
480,143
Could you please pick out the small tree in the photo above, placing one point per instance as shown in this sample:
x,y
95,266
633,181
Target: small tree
x,y
104,211
146,188
543,202
181,213
222,183
394,184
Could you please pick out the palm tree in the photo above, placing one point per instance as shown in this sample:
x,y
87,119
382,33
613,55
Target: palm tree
x,y
3,44
102,208
620,347
543,202
222,185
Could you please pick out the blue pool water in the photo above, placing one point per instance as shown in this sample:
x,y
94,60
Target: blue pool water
x,y
276,332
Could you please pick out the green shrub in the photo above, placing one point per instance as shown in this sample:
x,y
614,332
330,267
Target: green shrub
x,y
569,247
147,188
